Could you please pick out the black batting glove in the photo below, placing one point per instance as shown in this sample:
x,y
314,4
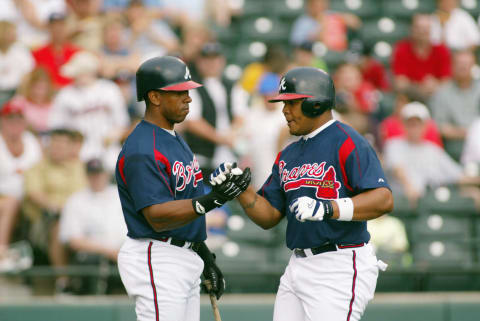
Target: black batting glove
x,y
211,272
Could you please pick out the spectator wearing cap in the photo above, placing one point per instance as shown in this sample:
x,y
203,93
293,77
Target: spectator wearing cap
x,y
92,220
263,132
48,184
15,61
418,65
95,107
216,111
58,51
35,95
416,164
19,150
393,126
318,23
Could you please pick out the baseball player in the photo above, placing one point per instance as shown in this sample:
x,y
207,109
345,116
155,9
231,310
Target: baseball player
x,y
327,185
161,191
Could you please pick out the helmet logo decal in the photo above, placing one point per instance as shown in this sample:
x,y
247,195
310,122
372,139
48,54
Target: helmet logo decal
x,y
282,85
187,73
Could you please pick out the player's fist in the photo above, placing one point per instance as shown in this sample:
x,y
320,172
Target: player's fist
x,y
305,208
222,172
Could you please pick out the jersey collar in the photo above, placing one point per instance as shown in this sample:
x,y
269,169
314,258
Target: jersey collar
x,y
170,131
318,130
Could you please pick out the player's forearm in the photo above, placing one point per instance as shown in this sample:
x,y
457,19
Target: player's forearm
x,y
170,215
260,211
369,205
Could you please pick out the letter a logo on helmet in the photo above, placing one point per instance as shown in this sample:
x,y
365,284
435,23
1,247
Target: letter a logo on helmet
x,y
187,73
282,86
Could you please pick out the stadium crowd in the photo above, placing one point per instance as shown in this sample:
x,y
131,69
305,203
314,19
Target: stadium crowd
x,y
67,97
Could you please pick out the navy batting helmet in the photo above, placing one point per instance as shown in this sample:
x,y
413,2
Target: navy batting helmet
x,y
312,84
163,73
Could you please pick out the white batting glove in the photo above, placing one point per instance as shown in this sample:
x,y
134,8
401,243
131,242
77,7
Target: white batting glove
x,y
221,173
305,208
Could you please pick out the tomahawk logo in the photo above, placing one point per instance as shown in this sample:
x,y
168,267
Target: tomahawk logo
x,y
325,182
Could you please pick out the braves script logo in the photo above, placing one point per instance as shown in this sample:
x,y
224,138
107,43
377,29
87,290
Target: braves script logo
x,y
185,174
313,176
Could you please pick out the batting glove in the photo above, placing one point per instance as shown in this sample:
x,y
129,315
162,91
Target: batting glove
x,y
222,172
211,271
305,208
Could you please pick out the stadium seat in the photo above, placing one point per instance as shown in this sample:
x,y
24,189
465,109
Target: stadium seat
x,y
439,253
362,8
242,229
384,29
454,148
249,8
407,8
264,29
442,226
247,52
285,9
472,6
446,200
237,256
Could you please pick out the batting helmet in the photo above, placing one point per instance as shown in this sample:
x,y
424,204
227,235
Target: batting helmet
x,y
163,73
312,84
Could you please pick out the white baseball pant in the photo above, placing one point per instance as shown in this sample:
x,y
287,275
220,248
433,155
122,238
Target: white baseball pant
x,y
330,286
163,279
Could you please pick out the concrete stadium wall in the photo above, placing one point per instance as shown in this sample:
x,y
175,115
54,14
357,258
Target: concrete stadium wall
x,y
412,307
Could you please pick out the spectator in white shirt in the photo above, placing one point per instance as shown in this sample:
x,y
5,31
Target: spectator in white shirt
x,y
454,26
471,149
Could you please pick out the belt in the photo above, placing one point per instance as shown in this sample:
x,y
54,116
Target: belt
x,y
176,242
324,248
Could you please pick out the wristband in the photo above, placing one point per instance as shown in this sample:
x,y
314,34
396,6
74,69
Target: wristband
x,y
345,209
327,209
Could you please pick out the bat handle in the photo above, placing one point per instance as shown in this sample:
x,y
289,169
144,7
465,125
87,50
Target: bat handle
x,y
213,301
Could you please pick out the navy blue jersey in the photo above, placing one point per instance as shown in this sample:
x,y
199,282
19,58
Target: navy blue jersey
x,y
155,167
335,163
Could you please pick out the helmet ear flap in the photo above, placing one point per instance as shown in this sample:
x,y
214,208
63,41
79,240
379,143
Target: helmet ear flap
x,y
315,106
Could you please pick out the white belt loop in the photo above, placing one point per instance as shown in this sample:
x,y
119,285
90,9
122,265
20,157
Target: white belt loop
x,y
187,245
169,240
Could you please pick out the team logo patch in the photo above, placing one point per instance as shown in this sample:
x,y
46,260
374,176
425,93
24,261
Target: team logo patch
x,y
282,86
311,176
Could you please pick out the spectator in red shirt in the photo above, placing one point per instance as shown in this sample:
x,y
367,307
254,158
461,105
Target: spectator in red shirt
x,y
393,126
418,65
373,70
57,52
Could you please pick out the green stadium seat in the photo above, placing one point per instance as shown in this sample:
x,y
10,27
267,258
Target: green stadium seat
x,y
384,29
238,257
285,9
442,226
439,253
242,229
249,8
362,8
407,8
265,29
446,200
247,52
472,6
454,148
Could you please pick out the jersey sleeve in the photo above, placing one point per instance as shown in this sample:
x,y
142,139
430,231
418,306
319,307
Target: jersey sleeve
x,y
147,181
362,169
272,189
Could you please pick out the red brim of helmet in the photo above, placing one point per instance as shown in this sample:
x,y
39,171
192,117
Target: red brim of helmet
x,y
187,85
287,96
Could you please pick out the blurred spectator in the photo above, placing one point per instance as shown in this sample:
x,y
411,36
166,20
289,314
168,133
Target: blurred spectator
x,y
456,104
58,51
355,98
35,95
417,164
19,150
454,26
92,221
151,37
95,107
216,111
275,60
471,149
48,184
261,131
373,71
418,65
183,12
393,126
318,23
30,17
303,56
194,36
116,54
85,23
120,5
216,227
15,61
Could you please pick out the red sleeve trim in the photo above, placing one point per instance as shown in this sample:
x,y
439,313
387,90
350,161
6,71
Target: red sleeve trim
x,y
345,150
160,157
277,160
121,166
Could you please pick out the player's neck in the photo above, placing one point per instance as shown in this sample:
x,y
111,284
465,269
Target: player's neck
x,y
322,120
158,121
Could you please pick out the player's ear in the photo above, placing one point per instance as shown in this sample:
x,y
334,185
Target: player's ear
x,y
154,96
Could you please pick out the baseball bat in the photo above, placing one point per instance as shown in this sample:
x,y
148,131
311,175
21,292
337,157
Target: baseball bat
x,y
213,301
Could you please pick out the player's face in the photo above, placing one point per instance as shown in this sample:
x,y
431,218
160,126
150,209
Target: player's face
x,y
174,106
298,123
